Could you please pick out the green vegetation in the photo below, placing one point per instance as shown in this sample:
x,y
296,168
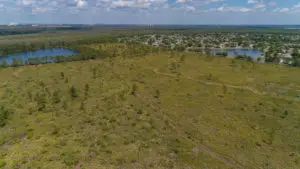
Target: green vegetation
x,y
224,54
144,107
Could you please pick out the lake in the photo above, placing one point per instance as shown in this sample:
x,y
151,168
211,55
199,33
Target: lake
x,y
234,52
38,54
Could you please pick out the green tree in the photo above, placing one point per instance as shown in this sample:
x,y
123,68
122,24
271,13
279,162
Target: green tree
x,y
86,89
4,64
73,92
3,116
134,89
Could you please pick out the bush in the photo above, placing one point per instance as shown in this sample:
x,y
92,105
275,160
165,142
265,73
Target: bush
x,y
134,89
244,57
157,94
94,73
209,77
2,163
73,92
41,101
4,113
86,89
223,54
55,97
62,75
82,106
69,159
182,58
29,133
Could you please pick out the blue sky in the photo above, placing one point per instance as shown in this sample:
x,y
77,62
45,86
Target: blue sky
x,y
150,11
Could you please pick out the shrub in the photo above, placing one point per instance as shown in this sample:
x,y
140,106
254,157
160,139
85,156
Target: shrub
x,y
41,101
86,89
73,92
69,159
134,89
2,163
29,133
82,106
4,113
174,67
209,77
157,93
222,54
62,75
64,104
182,58
224,89
55,96
94,73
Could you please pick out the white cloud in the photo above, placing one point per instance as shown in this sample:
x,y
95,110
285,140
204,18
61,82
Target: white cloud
x,y
253,1
80,3
230,9
39,9
272,3
281,10
190,8
296,6
242,10
181,1
284,10
26,2
140,4
220,8
198,2
150,6
259,6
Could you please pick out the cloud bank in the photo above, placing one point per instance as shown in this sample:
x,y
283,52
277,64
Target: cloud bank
x,y
123,11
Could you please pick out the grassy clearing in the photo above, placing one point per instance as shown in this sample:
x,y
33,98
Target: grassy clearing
x,y
167,110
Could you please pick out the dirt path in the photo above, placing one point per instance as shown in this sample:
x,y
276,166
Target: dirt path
x,y
155,107
17,72
202,147
212,83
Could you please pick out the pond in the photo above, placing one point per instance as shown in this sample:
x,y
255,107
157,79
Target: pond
x,y
254,54
37,54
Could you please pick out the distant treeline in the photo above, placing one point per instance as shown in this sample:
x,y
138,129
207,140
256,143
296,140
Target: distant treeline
x,y
31,30
84,52
32,46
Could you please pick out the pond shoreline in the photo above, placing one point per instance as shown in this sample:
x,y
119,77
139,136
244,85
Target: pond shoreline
x,y
43,54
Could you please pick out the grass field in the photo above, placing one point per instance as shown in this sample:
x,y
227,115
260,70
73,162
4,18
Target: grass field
x,y
167,110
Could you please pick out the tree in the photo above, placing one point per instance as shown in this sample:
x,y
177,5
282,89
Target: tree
x,y
86,89
14,62
3,116
296,62
4,64
41,101
134,89
73,92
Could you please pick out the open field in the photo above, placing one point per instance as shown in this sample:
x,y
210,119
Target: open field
x,y
162,110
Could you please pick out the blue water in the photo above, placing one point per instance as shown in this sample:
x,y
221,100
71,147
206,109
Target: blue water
x,y
38,54
254,54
